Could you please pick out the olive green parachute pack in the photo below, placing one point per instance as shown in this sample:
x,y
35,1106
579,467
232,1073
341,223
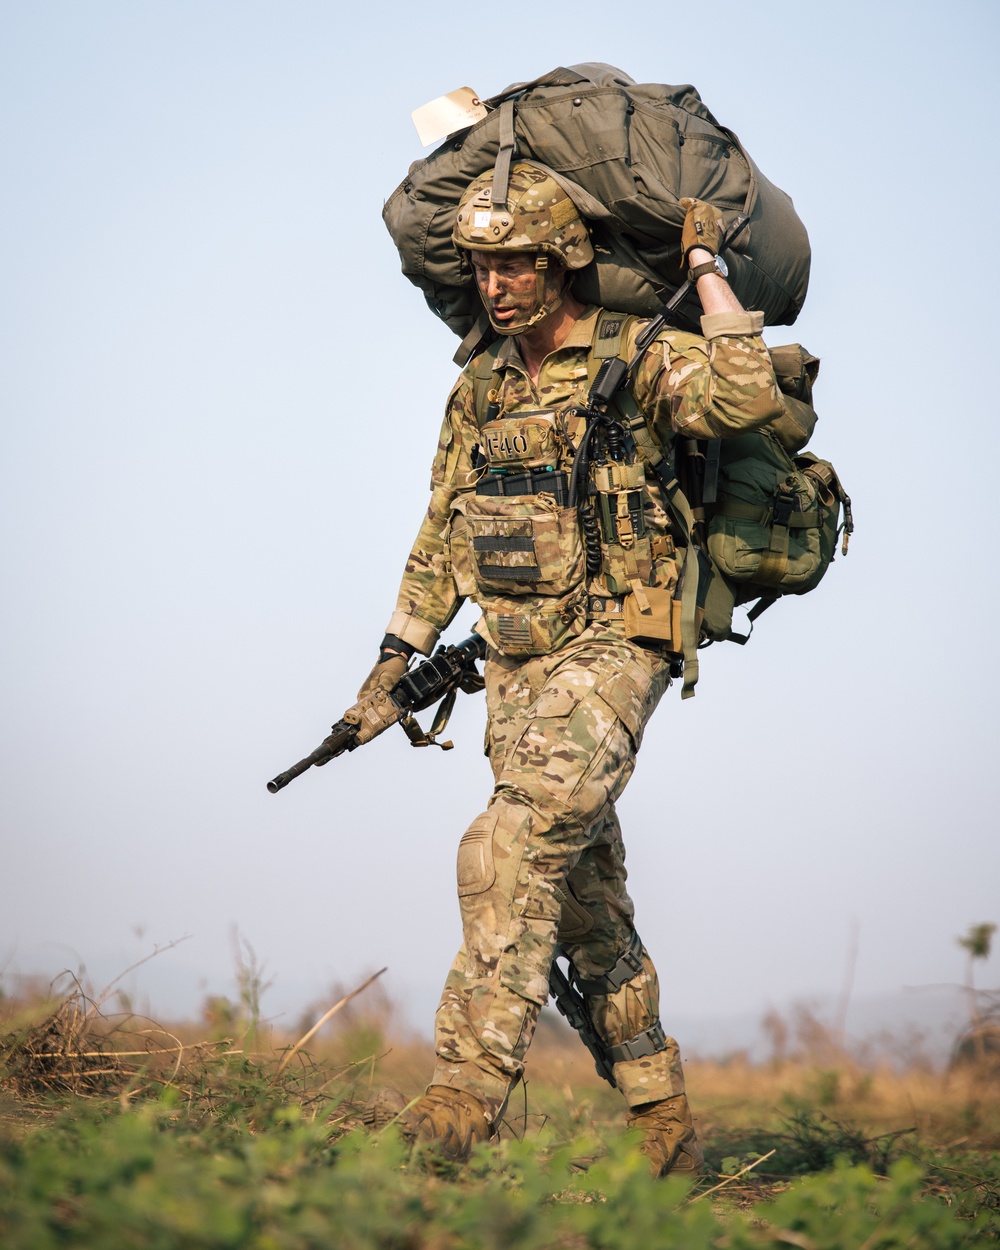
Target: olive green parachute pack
x,y
758,516
626,153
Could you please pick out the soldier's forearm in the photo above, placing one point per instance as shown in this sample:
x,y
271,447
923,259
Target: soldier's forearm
x,y
714,291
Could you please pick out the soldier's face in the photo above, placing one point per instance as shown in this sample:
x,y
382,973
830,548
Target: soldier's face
x,y
506,282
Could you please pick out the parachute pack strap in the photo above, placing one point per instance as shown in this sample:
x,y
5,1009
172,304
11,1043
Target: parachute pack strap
x,y
562,76
501,170
752,187
473,340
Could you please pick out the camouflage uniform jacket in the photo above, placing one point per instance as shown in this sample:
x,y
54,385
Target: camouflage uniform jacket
x,y
713,385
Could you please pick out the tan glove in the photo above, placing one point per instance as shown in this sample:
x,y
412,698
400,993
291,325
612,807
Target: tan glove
x,y
385,675
704,226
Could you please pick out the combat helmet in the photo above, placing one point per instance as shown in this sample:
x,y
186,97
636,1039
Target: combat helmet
x,y
537,217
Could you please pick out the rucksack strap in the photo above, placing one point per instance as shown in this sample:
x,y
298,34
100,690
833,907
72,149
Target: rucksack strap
x,y
477,337
610,339
485,378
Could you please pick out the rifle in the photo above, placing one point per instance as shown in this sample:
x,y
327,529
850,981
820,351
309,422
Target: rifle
x,y
449,669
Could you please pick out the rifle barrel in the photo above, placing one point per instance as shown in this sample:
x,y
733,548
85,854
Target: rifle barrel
x,y
335,744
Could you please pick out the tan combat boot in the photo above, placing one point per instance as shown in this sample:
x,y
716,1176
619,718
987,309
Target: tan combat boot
x,y
449,1118
669,1141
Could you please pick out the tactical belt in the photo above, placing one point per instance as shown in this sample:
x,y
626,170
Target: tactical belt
x,y
649,1042
628,966
531,482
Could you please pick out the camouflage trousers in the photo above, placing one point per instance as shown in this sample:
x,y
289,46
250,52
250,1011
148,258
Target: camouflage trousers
x,y
545,864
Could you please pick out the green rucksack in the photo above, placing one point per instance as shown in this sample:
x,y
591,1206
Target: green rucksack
x,y
771,510
762,513
760,517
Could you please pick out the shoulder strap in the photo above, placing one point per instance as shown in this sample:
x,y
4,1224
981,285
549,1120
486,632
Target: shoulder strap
x,y
485,378
610,339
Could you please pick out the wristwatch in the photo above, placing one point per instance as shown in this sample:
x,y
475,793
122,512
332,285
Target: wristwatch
x,y
715,265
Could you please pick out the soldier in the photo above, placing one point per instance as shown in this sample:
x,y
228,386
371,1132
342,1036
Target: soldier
x,y
579,652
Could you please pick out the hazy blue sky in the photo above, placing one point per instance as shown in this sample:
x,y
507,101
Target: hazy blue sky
x,y
220,400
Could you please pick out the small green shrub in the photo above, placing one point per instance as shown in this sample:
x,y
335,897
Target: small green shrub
x,y
152,1178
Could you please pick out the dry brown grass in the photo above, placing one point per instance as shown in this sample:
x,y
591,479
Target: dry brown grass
x,y
66,1044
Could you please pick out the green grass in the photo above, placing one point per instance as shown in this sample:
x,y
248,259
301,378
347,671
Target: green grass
x,y
153,1176
108,1140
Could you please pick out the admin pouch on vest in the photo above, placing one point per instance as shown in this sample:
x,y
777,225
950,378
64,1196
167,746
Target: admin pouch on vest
x,y
626,153
523,538
755,517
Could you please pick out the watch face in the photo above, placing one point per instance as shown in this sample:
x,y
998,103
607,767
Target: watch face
x,y
722,267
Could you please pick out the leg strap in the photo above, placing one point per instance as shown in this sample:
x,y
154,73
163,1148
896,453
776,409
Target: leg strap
x,y
624,970
649,1042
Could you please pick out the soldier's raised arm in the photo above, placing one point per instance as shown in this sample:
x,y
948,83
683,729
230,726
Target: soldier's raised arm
x,y
720,383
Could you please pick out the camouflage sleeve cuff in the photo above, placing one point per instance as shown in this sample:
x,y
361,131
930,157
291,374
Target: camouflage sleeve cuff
x,y
714,325
413,630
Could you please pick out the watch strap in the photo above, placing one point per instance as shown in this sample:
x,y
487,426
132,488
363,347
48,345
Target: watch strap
x,y
699,271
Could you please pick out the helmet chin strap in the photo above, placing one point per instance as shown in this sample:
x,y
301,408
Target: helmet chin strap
x,y
543,307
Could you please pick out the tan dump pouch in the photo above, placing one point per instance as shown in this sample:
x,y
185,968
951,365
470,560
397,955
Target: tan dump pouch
x,y
524,627
523,544
661,625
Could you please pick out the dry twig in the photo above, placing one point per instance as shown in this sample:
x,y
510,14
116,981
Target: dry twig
x,y
729,1179
323,1019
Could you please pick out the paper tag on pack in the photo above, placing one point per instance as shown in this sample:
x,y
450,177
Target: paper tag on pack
x,y
446,114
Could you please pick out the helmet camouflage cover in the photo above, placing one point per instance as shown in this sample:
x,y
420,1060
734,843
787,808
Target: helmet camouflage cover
x,y
538,217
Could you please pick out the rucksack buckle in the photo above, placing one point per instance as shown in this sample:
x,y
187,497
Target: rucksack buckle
x,y
785,503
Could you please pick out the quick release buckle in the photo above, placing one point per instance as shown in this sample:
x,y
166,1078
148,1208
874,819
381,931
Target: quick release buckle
x,y
649,1042
628,965
785,503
